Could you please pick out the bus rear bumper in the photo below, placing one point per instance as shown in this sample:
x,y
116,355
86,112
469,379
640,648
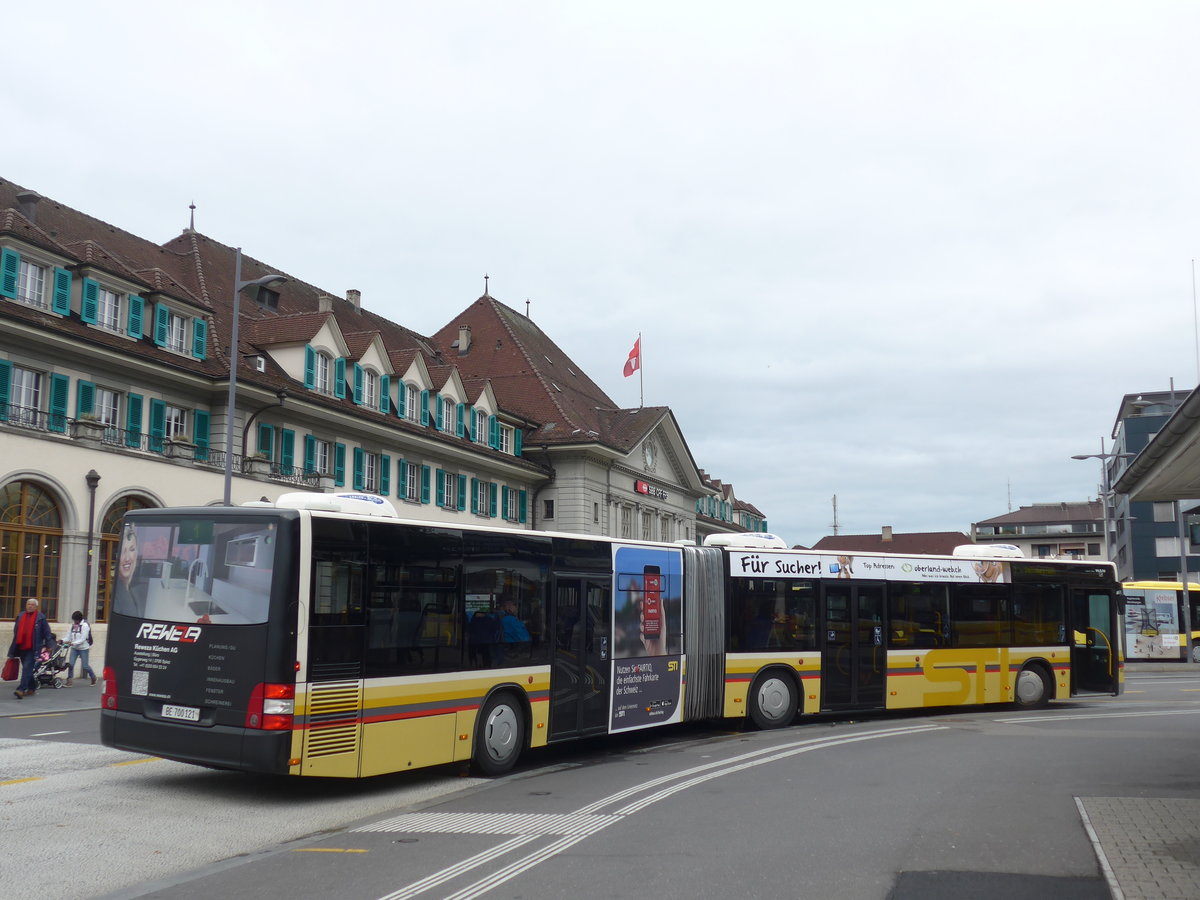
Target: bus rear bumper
x,y
221,747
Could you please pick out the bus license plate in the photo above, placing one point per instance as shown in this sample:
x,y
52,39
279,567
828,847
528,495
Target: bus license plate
x,y
186,713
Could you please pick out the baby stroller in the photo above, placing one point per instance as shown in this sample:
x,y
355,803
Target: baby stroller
x,y
50,669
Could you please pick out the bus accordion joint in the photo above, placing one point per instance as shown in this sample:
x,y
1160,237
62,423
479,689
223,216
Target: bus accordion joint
x,y
271,707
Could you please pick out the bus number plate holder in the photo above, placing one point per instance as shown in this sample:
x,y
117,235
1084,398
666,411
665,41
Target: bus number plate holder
x,y
185,713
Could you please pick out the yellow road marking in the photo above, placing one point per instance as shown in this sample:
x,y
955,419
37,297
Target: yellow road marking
x,y
327,850
40,716
18,781
135,762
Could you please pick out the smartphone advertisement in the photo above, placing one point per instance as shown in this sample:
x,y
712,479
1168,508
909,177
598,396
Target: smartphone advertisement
x,y
647,677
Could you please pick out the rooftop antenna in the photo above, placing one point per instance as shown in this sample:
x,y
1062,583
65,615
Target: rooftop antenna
x,y
485,285
1010,495
527,307
192,223
835,526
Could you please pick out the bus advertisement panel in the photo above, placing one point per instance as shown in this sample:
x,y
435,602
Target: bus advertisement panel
x,y
1154,622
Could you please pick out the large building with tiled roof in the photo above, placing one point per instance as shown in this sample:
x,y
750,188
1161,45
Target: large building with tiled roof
x,y
115,364
1071,529
889,541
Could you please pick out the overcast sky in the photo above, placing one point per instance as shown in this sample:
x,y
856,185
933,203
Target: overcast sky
x,y
910,254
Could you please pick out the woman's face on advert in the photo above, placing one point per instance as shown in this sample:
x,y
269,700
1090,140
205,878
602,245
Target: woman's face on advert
x,y
128,560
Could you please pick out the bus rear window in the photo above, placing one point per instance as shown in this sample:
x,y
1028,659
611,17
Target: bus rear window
x,y
195,570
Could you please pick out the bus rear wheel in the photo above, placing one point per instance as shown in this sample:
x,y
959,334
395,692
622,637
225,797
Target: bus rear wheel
x,y
499,735
1034,688
1196,652
773,701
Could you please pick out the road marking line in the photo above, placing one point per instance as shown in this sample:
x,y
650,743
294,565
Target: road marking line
x,y
137,762
41,716
48,733
329,850
18,781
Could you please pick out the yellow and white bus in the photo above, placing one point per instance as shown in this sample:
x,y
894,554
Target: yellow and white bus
x,y
324,636
1154,625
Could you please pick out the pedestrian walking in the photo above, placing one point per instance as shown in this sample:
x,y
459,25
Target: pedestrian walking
x,y
31,635
79,642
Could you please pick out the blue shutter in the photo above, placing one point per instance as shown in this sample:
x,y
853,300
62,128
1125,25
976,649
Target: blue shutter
x,y
137,309
424,407
133,420
158,424
339,464
401,398
310,366
439,422
310,454
85,398
91,301
402,478
266,440
522,497
471,423
200,433
504,501
339,377
462,492
62,292
200,338
162,317
60,387
287,451
475,495
493,432
10,268
459,425
516,442
492,499
358,468
441,488
358,383
424,484
5,387
385,393
385,474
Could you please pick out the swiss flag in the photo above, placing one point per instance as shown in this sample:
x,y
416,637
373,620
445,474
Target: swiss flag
x,y
635,358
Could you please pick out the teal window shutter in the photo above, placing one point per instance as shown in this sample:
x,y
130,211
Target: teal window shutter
x,y
310,454
10,269
504,501
5,388
339,464
91,301
401,398
310,366
200,433
339,377
266,440
438,420
471,423
287,451
162,317
462,492
133,420
62,292
424,407
85,398
522,497
200,338
424,484
60,387
493,432
137,308
358,384
441,488
385,393
492,499
358,468
385,474
475,495
402,478
460,412
158,424
516,442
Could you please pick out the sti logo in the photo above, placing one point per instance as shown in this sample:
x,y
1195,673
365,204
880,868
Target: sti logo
x,y
160,631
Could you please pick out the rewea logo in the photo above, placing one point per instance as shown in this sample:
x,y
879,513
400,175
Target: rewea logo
x,y
161,631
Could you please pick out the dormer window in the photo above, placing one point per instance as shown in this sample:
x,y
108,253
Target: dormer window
x,y
108,310
481,427
170,328
412,405
322,373
267,298
31,284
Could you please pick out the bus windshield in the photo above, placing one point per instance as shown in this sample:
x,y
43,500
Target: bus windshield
x,y
195,569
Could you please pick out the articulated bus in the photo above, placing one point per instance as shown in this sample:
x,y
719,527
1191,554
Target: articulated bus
x,y
323,636
1154,624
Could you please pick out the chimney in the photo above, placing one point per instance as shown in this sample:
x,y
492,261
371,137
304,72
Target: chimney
x,y
29,201
354,297
325,303
464,339
887,533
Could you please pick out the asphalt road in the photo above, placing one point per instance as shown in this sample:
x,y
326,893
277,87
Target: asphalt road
x,y
976,803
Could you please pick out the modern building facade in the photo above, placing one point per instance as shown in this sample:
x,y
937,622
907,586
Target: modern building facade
x,y
115,362
1071,530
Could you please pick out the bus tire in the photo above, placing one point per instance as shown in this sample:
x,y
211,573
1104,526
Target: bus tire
x,y
773,700
499,735
1034,688
1196,651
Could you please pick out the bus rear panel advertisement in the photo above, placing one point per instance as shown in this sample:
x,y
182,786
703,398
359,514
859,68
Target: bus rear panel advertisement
x,y
321,637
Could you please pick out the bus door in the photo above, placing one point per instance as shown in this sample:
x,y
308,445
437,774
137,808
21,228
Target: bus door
x,y
1095,646
853,654
581,665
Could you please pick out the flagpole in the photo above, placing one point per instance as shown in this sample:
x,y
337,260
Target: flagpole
x,y
641,375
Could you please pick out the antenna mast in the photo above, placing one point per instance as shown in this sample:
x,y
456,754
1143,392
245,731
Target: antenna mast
x,y
835,526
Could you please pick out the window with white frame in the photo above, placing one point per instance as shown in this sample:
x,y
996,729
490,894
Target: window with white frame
x,y
176,332
322,373
1164,512
1166,546
448,410
31,284
482,498
175,423
108,311
481,426
412,404
412,483
322,457
506,439
25,396
370,471
107,407
450,490
370,389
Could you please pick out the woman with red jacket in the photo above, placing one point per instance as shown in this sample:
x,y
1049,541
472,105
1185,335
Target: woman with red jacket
x,y
31,632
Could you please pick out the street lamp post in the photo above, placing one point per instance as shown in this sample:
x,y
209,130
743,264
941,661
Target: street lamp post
x,y
93,480
1105,488
234,360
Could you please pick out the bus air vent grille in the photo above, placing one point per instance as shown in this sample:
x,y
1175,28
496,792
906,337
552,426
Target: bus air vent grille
x,y
333,710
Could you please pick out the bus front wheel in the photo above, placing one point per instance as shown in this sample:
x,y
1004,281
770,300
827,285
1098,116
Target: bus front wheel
x,y
499,735
1196,652
773,701
1034,688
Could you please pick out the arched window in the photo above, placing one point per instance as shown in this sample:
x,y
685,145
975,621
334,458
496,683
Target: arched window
x,y
30,548
110,537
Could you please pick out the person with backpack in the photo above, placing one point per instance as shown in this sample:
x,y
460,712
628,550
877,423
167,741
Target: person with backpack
x,y
79,640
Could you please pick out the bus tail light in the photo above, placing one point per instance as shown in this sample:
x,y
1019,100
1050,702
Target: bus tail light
x,y
108,697
271,707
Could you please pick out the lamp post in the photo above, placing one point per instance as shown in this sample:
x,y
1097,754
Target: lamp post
x,y
234,360
93,479
1106,488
